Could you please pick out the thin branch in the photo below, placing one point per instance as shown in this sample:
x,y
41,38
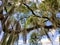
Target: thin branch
x,y
34,13
31,10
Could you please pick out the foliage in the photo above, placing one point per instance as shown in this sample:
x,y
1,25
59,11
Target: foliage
x,y
33,38
33,14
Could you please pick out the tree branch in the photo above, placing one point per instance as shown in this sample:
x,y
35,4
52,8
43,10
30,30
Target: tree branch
x,y
34,13
5,29
30,29
8,14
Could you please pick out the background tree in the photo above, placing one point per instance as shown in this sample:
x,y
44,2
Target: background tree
x,y
31,15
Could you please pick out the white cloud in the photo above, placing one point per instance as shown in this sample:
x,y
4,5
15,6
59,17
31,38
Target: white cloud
x,y
46,41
